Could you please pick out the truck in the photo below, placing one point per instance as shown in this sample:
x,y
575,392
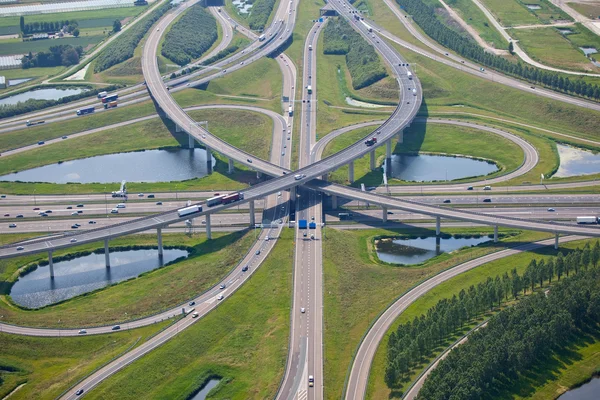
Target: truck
x,y
108,99
587,220
310,47
344,216
215,201
290,111
302,224
371,142
112,104
414,92
83,111
261,38
357,17
409,75
102,95
312,225
189,210
230,198
32,123
309,89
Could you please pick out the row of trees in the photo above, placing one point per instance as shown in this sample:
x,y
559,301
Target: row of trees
x,y
37,27
517,338
416,341
362,60
191,36
63,54
124,46
425,16
260,13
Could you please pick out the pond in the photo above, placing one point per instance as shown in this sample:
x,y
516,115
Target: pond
x,y
427,168
141,166
588,50
588,391
85,274
42,94
243,7
201,395
565,31
415,251
533,6
574,162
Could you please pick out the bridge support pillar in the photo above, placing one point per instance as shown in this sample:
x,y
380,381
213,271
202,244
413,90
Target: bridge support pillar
x,y
230,169
258,174
106,253
372,160
324,177
191,142
160,244
556,241
495,233
252,217
351,172
437,226
178,128
401,136
208,232
334,202
384,214
51,265
388,149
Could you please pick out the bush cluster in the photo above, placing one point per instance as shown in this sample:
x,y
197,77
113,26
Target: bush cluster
x,y
63,54
361,59
124,46
261,10
191,36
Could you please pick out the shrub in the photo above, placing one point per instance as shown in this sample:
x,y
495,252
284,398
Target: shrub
x,y
261,10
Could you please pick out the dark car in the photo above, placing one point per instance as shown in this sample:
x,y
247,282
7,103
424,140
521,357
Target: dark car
x,y
69,207
79,205
487,200
447,201
245,268
79,392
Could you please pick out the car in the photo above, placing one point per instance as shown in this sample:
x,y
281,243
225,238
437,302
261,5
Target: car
x,y
73,240
64,137
487,188
533,87
312,218
43,215
20,216
69,207
116,327
249,160
312,236
41,142
140,194
157,29
7,215
74,226
121,205
91,222
77,225
3,196
551,209
150,196
304,234
390,212
12,226
220,297
75,213
302,310
48,211
79,392
222,286
488,200
267,238
36,209
192,303
257,252
470,188
195,314
299,176
447,201
159,203
20,248
245,268
311,381
278,193
80,206
82,331
79,212
283,153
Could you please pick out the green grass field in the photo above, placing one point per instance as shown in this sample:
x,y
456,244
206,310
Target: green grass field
x,y
550,47
48,366
432,138
354,280
148,294
473,16
16,46
377,388
586,9
244,341
512,12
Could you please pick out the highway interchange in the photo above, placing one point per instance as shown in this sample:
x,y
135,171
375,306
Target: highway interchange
x,y
306,339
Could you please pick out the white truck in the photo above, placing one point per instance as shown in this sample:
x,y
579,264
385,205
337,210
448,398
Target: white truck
x,y
189,210
414,92
102,95
587,220
409,74
290,111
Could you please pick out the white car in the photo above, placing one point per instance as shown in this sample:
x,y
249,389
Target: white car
x,y
82,331
195,314
73,240
20,248
114,211
220,297
302,310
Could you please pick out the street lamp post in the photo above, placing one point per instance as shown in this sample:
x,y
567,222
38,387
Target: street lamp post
x,y
34,200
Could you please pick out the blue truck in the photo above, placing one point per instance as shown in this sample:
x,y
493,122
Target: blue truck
x,y
302,224
312,225
84,111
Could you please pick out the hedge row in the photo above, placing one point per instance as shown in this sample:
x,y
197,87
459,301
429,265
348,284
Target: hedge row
x,y
191,36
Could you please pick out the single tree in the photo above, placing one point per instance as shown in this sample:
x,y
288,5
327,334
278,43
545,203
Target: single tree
x,y
76,32
511,48
116,26
22,24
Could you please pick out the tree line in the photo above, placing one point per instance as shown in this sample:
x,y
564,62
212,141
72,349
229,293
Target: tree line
x,y
416,341
37,27
425,16
191,36
362,60
63,54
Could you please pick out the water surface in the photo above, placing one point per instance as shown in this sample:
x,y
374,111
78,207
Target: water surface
x,y
42,94
588,391
574,161
416,251
142,166
201,395
85,274
15,82
588,50
427,168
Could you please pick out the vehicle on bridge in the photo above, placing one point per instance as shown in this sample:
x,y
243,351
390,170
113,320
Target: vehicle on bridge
x,y
189,210
224,199
302,224
371,142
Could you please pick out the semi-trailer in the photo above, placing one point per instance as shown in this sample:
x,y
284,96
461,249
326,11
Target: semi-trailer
x,y
224,199
83,111
587,220
312,225
32,123
302,224
108,99
409,74
189,210
290,111
112,104
102,95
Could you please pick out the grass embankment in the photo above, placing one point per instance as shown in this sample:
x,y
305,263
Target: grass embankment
x,y
48,366
357,287
191,36
550,47
244,129
148,294
429,138
377,388
473,16
243,341
513,12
